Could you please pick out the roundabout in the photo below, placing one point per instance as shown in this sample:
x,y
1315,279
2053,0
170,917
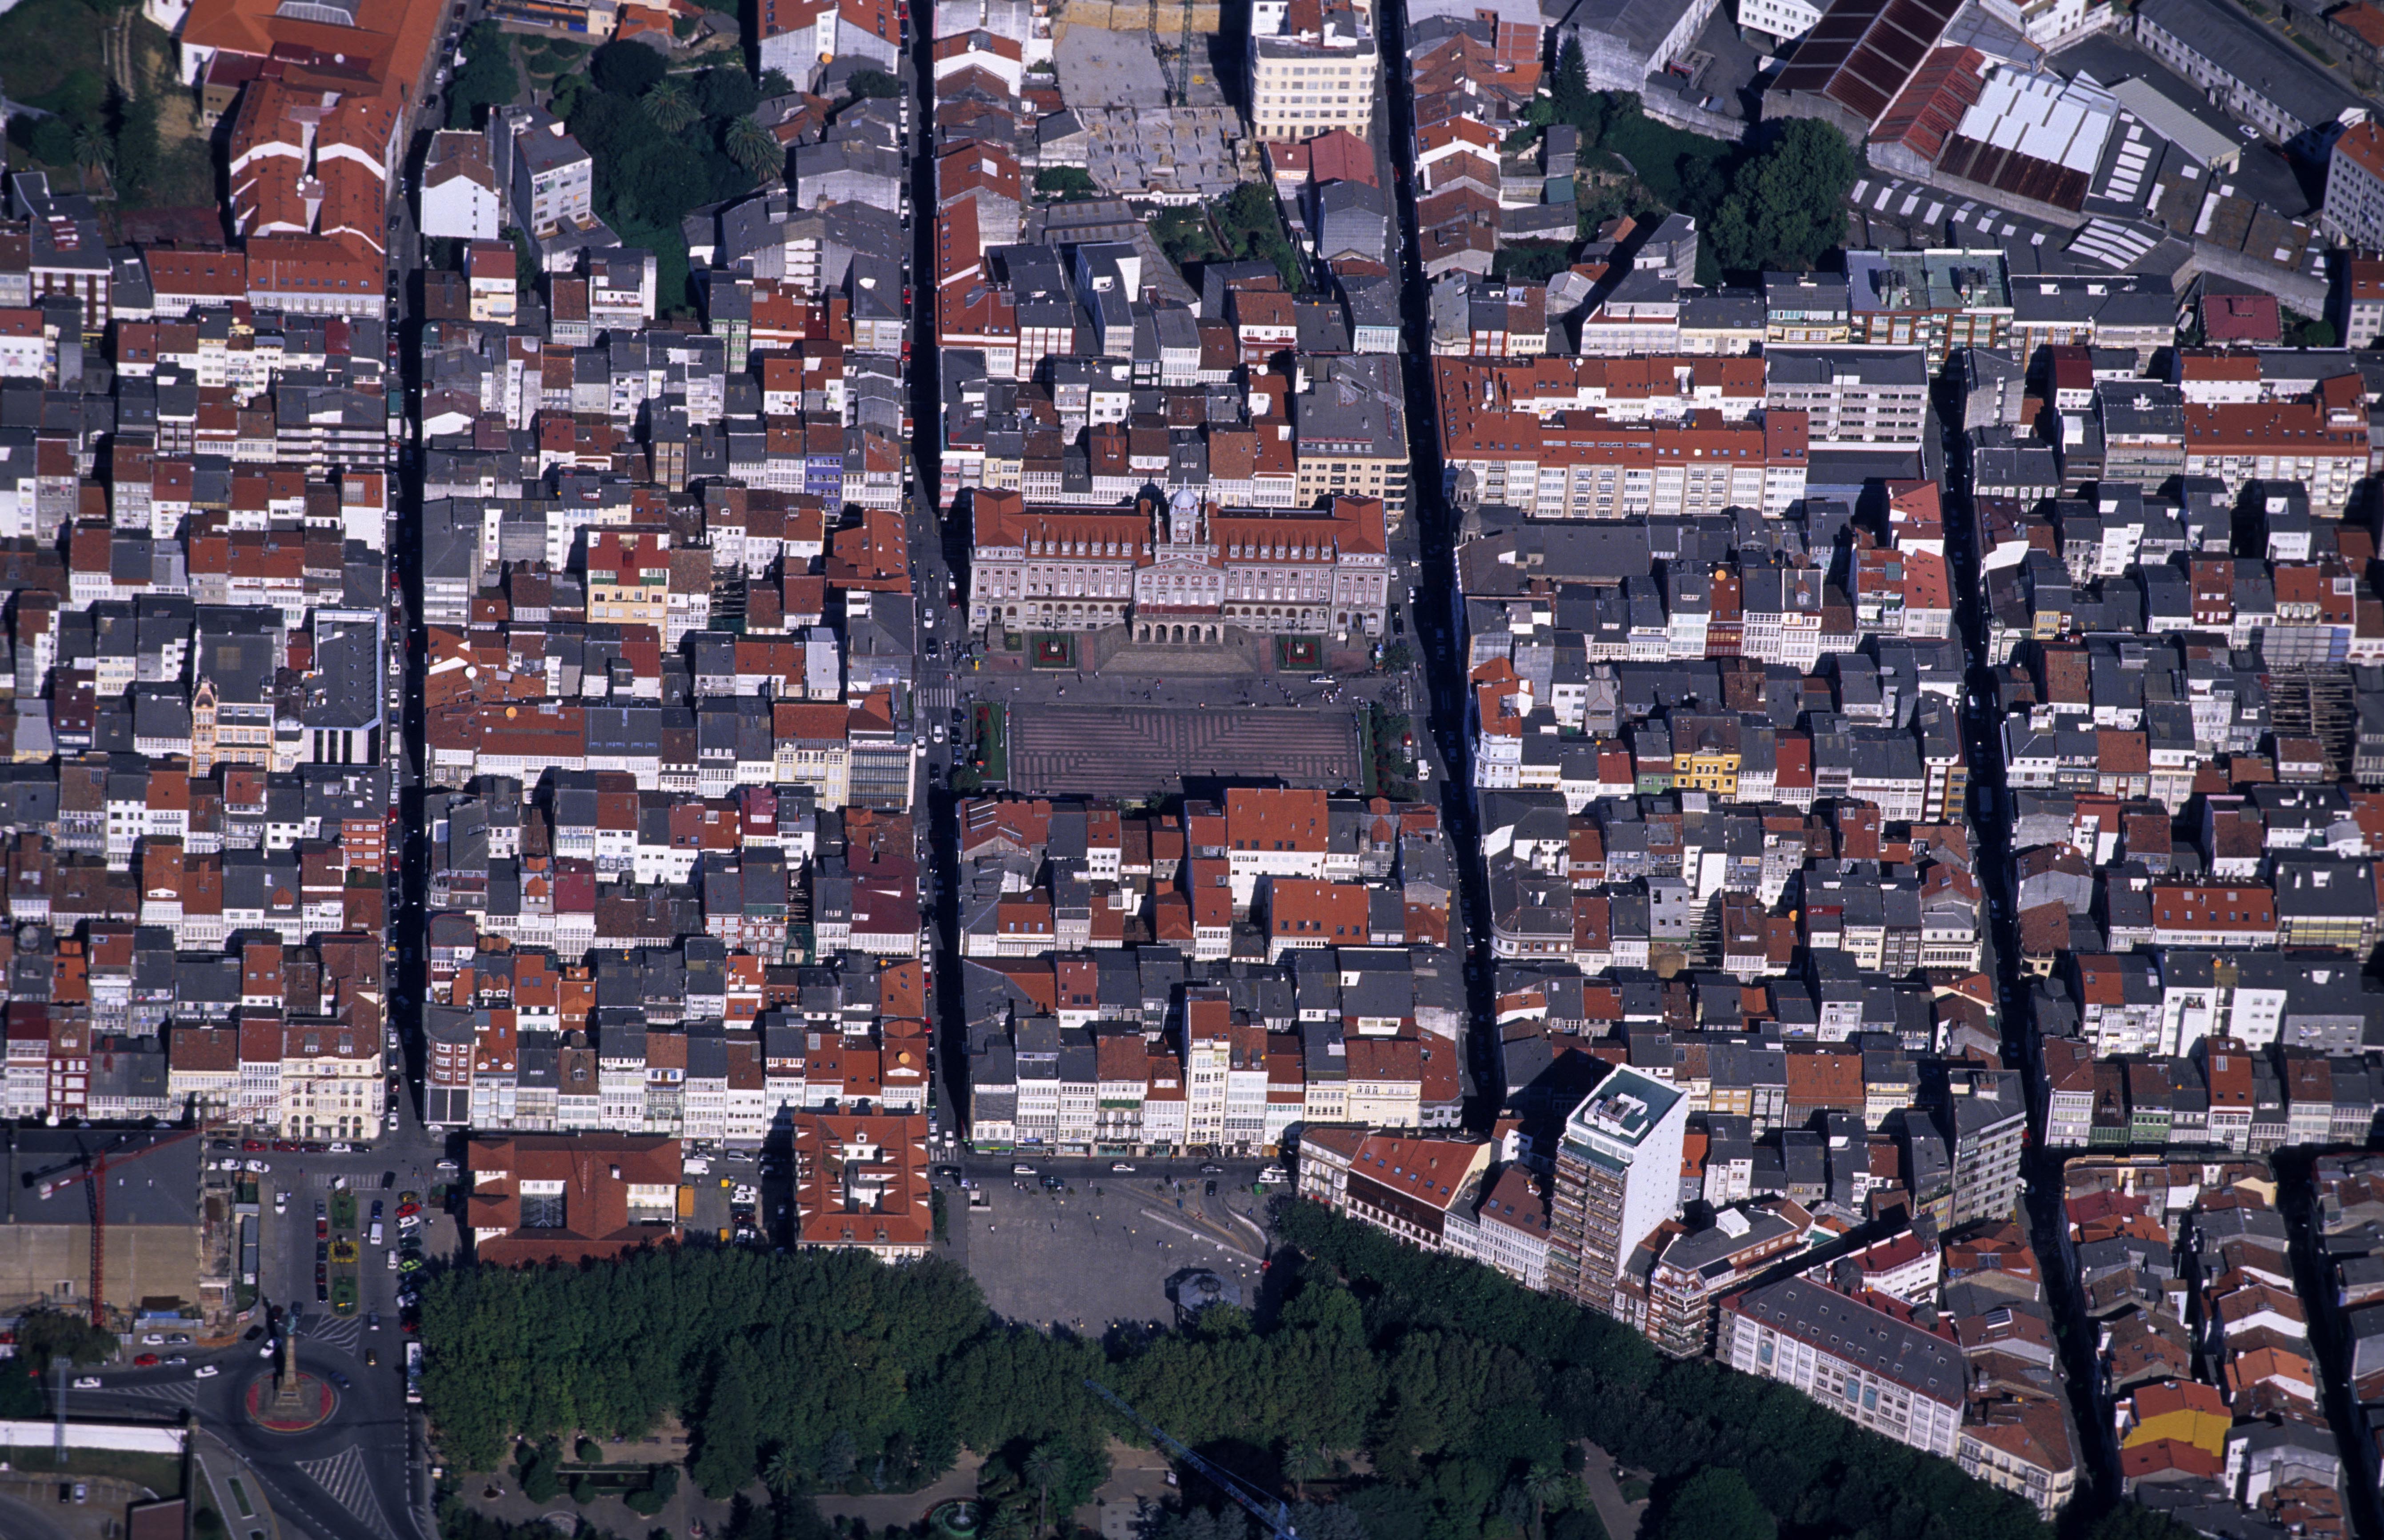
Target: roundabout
x,y
300,1408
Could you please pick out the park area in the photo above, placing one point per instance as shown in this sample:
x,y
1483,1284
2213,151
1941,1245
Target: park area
x,y
94,100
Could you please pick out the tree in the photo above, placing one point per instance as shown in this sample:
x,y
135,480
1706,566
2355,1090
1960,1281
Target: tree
x,y
1066,182
752,146
775,83
1786,205
667,102
1716,1504
727,1457
727,91
92,152
1043,1467
51,140
488,79
136,144
1327,1521
838,1459
1302,1463
783,1473
1571,97
589,1452
1204,1523
541,1472
871,82
2134,1521
626,68
1544,1485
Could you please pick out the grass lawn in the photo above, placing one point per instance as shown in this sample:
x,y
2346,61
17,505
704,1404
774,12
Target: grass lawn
x,y
670,263
993,741
54,57
1656,150
46,44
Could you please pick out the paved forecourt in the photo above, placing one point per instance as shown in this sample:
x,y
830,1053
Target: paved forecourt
x,y
1147,750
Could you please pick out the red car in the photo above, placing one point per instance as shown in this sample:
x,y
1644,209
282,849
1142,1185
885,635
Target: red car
x,y
252,1144
406,1210
146,1360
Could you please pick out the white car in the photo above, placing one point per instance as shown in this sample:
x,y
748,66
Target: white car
x,y
392,1261
341,1148
206,1371
260,1167
1121,1165
154,1339
87,1381
269,1348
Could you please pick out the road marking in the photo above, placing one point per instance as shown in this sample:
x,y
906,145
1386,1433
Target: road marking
x,y
341,1476
181,1392
1195,1235
333,1331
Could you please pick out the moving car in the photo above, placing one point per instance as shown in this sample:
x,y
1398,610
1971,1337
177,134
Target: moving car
x,y
87,1381
1121,1165
206,1371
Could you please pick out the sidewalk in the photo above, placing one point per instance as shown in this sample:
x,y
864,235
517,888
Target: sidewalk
x,y
1621,1518
247,1514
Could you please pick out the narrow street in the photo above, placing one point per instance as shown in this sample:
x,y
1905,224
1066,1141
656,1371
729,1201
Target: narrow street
x,y
1439,638
1991,826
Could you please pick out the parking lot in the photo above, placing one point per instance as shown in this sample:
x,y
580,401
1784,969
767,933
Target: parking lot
x,y
290,1249
1102,1249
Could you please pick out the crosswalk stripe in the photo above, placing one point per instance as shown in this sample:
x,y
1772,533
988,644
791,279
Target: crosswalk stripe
x,y
342,1477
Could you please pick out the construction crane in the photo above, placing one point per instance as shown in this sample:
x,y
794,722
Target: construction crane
x,y
1273,1513
92,1171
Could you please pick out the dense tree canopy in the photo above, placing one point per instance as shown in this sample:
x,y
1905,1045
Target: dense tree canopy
x,y
1778,202
627,68
711,148
1461,1398
489,78
1786,207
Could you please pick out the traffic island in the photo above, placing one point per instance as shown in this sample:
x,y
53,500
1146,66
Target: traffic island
x,y
302,1405
288,1400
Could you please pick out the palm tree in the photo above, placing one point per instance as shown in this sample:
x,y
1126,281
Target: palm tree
x,y
1043,1467
667,102
782,1473
1544,1485
752,146
1302,1463
91,151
